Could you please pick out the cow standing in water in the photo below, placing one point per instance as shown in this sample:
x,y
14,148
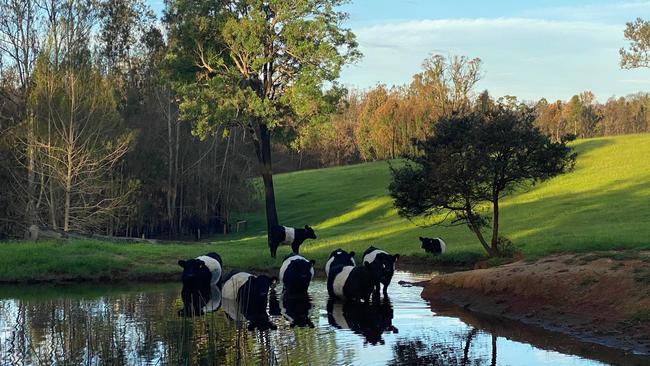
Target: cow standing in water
x,y
339,257
351,283
201,276
383,265
296,273
289,235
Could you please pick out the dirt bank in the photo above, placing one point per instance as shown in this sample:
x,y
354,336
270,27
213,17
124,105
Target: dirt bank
x,y
602,298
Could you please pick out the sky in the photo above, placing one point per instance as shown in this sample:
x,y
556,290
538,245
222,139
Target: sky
x,y
530,49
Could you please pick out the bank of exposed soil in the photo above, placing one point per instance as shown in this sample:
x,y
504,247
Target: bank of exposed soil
x,y
598,297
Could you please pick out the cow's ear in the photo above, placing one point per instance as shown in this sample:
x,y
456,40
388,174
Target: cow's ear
x,y
181,263
366,264
306,227
352,254
421,238
312,262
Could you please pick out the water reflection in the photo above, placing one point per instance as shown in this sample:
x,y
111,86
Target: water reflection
x,y
139,325
369,320
256,317
295,308
420,351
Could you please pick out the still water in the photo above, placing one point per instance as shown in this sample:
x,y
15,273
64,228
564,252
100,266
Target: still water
x,y
133,325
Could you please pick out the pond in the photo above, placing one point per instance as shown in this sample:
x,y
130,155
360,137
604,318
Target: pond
x,y
138,324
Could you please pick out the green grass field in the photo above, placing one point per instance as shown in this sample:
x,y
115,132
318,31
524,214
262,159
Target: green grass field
x,y
603,204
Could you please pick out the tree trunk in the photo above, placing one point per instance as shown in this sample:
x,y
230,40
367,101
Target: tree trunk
x,y
263,150
477,230
30,210
495,222
68,192
170,172
267,176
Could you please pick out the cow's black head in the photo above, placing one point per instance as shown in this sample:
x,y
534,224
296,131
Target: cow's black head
x,y
309,232
386,265
195,272
432,245
258,290
428,244
196,286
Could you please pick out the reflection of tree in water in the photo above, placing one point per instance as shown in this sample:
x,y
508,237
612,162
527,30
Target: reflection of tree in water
x,y
143,328
425,352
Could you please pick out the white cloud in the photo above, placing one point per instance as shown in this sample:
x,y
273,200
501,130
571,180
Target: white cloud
x,y
527,57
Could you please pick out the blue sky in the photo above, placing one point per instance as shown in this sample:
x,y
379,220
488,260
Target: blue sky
x,y
530,49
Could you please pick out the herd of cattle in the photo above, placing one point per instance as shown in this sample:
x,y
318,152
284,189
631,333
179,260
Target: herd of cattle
x,y
243,295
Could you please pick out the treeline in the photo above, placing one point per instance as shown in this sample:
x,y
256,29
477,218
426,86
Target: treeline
x,y
380,123
90,137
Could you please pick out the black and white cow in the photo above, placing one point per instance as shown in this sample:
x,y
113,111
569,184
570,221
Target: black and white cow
x,y
369,320
382,264
296,273
339,257
352,283
247,295
435,245
289,235
201,276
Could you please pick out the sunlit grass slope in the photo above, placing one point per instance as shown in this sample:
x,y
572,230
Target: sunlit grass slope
x,y
603,204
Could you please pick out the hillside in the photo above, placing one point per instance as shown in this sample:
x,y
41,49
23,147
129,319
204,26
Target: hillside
x,y
603,204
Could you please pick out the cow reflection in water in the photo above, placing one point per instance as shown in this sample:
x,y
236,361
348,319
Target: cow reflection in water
x,y
245,296
370,320
293,307
257,318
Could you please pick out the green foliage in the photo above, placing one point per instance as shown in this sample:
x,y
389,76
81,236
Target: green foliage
x,y
247,61
638,53
473,160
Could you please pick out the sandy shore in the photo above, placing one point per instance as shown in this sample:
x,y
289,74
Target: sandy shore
x,y
602,298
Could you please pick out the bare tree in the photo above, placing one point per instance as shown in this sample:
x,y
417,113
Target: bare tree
x,y
81,150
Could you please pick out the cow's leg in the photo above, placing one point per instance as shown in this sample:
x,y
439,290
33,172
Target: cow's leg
x,y
295,246
386,283
273,246
375,292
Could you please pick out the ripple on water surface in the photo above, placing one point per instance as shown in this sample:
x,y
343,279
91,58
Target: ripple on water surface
x,y
139,325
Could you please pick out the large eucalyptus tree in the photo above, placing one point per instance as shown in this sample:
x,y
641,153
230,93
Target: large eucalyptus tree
x,y
267,65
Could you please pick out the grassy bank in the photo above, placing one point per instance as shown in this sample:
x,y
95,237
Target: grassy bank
x,y
603,204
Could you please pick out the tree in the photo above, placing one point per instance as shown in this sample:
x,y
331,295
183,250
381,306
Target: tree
x,y
261,64
473,160
638,53
81,148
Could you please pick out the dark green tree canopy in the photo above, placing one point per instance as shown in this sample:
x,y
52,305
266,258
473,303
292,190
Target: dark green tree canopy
x,y
273,61
473,160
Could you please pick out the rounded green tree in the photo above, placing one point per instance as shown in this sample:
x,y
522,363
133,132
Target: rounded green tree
x,y
471,162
